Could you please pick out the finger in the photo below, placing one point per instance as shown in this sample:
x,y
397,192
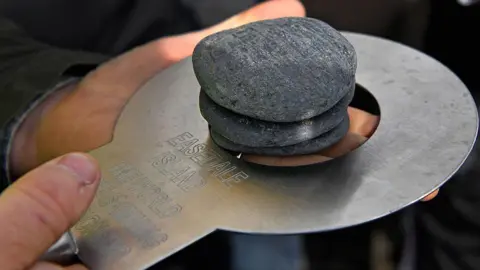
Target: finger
x,y
264,11
37,209
49,266
273,9
362,125
285,161
348,143
430,196
76,267
362,122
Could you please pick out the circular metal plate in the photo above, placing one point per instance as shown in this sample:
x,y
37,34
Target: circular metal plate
x,y
428,127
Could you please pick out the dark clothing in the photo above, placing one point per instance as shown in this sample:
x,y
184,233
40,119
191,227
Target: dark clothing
x,y
114,26
28,70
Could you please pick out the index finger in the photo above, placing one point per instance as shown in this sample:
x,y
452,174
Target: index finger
x,y
272,9
362,126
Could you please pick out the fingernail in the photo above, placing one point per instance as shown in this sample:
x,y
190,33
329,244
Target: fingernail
x,y
85,168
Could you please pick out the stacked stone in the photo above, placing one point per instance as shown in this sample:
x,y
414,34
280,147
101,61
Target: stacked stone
x,y
276,87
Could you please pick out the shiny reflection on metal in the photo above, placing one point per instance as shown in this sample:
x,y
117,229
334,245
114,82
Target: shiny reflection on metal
x,y
166,185
468,2
63,251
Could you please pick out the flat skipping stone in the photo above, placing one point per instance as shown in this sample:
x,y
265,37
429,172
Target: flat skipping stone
x,y
251,132
280,70
306,147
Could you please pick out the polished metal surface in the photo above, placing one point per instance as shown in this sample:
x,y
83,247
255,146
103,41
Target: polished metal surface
x,y
468,2
63,252
166,185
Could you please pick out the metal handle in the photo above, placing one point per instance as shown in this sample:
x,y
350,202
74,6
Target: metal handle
x,y
63,252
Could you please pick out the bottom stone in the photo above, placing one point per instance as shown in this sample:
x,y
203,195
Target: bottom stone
x,y
243,130
306,147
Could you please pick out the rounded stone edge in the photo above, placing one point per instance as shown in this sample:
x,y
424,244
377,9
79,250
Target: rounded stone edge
x,y
303,148
218,116
204,83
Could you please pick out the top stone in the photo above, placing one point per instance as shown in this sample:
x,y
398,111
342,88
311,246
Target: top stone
x,y
281,70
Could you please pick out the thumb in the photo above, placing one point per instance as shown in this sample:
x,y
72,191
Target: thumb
x,y
37,209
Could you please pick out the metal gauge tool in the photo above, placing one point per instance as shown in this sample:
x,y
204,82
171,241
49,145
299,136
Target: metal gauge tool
x,y
166,185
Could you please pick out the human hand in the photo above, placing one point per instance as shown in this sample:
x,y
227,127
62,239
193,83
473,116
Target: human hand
x,y
362,126
41,206
82,117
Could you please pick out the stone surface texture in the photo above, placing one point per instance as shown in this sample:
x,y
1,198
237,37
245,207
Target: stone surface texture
x,y
277,87
281,70
306,147
251,132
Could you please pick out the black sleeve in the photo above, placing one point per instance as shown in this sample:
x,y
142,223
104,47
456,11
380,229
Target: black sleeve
x,y
28,71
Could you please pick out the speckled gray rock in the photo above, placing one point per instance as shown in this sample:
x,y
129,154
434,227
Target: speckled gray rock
x,y
281,70
306,147
251,132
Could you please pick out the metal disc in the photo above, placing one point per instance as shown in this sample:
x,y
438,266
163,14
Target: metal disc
x,y
166,185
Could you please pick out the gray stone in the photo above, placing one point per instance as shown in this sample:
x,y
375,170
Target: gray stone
x,y
280,70
251,132
306,147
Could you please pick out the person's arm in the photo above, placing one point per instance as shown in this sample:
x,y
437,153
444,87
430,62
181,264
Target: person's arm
x,y
29,71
